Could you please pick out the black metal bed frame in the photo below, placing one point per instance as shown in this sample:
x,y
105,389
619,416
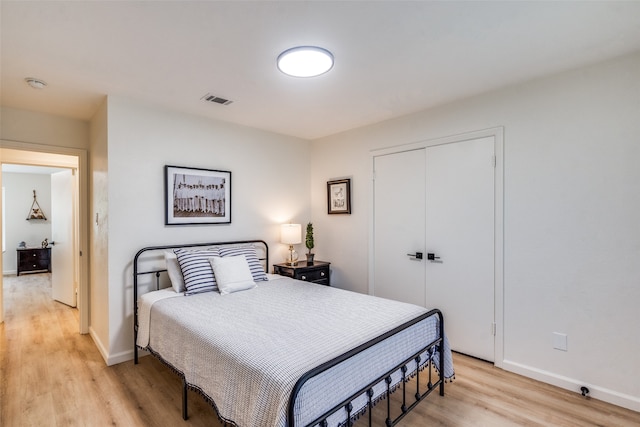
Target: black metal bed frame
x,y
346,404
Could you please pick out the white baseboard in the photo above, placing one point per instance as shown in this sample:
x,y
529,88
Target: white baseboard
x,y
123,356
113,359
98,343
572,384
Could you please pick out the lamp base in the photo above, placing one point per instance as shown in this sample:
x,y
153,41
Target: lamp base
x,y
293,256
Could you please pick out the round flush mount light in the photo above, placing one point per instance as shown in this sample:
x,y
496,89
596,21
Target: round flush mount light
x,y
35,83
305,61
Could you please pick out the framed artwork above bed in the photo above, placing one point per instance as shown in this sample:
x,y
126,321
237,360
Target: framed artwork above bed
x,y
196,196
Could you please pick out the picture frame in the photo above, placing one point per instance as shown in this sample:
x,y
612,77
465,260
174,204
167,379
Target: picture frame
x,y
339,196
196,196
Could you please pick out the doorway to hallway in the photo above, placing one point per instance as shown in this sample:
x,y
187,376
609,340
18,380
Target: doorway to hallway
x,y
71,159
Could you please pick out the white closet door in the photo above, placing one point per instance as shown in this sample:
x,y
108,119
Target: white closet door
x,y
460,231
399,221
439,200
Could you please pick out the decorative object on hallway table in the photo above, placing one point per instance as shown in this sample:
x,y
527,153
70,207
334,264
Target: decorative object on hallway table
x,y
197,196
35,212
290,234
339,196
45,243
308,242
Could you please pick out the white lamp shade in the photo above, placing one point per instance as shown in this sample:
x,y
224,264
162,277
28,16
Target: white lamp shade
x,y
291,234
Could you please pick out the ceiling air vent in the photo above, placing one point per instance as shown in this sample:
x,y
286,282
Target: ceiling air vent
x,y
216,99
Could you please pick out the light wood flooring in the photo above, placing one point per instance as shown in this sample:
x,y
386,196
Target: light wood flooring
x,y
52,376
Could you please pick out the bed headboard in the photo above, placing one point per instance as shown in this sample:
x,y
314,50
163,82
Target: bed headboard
x,y
150,272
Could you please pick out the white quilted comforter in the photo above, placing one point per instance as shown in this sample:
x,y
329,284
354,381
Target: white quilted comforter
x,y
246,350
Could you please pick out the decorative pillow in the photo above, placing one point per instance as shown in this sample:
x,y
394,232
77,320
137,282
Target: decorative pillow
x,y
174,272
196,269
232,274
252,259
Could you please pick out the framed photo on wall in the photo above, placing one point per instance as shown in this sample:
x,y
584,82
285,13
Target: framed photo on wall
x,y
197,196
339,196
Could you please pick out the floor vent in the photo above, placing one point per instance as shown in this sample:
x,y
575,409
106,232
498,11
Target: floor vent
x,y
216,99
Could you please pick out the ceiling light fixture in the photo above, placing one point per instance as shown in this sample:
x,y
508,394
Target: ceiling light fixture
x,y
35,83
305,61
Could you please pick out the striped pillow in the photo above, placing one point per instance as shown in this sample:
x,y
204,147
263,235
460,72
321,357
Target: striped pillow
x,y
196,270
252,258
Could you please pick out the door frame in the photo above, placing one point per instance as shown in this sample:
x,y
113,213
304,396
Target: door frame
x,y
17,152
498,134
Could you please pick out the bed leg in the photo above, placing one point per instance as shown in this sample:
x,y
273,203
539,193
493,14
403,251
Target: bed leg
x,y
388,421
184,399
370,405
441,351
404,389
441,372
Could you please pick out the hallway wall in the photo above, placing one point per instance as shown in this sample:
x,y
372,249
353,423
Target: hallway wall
x,y
18,199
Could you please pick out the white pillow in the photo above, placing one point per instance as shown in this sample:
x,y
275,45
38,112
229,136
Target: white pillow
x,y
174,272
252,259
232,274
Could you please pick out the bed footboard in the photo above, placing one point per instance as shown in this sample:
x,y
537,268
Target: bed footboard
x,y
418,396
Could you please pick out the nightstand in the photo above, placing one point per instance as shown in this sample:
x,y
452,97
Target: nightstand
x,y
318,272
34,260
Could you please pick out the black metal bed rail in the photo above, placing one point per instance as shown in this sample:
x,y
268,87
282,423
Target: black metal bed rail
x,y
157,272
368,389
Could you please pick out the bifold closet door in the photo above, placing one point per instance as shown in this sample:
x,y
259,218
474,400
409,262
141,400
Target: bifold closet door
x,y
434,236
460,233
399,224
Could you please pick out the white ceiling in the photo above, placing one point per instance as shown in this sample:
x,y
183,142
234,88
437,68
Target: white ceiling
x,y
392,57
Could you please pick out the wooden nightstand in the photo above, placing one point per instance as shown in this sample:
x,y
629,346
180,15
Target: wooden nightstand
x,y
318,272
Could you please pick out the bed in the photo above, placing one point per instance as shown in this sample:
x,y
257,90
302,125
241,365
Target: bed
x,y
276,351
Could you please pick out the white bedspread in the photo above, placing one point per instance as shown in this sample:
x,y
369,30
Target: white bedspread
x,y
246,350
144,312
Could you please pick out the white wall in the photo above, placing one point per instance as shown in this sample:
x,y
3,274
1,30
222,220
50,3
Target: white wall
x,y
98,230
269,184
571,234
41,128
19,197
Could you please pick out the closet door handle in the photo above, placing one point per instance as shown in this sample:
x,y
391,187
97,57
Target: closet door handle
x,y
417,255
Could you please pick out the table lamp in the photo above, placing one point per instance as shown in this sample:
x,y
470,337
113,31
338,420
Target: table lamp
x,y
291,234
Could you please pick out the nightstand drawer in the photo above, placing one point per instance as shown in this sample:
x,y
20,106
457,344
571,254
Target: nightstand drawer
x,y
313,275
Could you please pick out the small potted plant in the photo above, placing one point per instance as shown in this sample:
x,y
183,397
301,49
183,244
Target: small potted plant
x,y
308,242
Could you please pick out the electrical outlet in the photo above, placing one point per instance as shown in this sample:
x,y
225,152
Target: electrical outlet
x,y
560,341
